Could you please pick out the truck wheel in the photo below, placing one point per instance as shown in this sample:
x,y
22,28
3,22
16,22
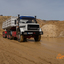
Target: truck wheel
x,y
4,36
20,38
25,39
38,38
10,37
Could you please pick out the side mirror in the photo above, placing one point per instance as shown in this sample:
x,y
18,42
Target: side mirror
x,y
15,21
35,19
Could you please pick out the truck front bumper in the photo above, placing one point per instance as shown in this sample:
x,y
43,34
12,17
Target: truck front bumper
x,y
32,33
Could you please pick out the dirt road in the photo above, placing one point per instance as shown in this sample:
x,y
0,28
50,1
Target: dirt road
x,y
31,52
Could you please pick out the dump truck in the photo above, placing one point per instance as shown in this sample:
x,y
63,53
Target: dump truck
x,y
21,28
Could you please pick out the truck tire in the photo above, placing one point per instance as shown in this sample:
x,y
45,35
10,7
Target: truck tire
x,y
20,38
10,37
37,38
4,36
25,39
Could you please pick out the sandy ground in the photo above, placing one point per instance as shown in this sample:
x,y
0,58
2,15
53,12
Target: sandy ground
x,y
31,52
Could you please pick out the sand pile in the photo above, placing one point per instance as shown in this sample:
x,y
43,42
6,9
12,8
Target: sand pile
x,y
61,34
41,22
49,30
3,18
1,30
52,28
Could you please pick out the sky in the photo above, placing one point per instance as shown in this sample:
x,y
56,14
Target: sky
x,y
43,9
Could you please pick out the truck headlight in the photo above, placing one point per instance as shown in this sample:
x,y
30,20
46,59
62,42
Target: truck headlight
x,y
25,32
40,29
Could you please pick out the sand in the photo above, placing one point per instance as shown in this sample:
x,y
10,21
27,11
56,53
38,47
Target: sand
x,y
49,30
31,52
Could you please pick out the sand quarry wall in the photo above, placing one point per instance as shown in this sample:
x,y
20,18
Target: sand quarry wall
x,y
51,28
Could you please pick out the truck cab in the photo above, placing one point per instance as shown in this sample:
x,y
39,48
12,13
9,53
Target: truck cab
x,y
28,27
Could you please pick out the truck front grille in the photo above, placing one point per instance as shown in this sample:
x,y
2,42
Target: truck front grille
x,y
33,27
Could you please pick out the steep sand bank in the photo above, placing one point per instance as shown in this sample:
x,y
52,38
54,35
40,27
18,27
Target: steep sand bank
x,y
52,28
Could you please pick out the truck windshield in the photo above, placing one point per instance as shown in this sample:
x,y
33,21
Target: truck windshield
x,y
30,21
27,21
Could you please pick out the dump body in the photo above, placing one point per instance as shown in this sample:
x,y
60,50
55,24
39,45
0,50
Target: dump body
x,y
9,23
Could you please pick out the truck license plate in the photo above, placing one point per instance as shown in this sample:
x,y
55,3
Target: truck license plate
x,y
30,33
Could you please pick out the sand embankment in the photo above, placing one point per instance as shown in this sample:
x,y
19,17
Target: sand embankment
x,y
52,28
